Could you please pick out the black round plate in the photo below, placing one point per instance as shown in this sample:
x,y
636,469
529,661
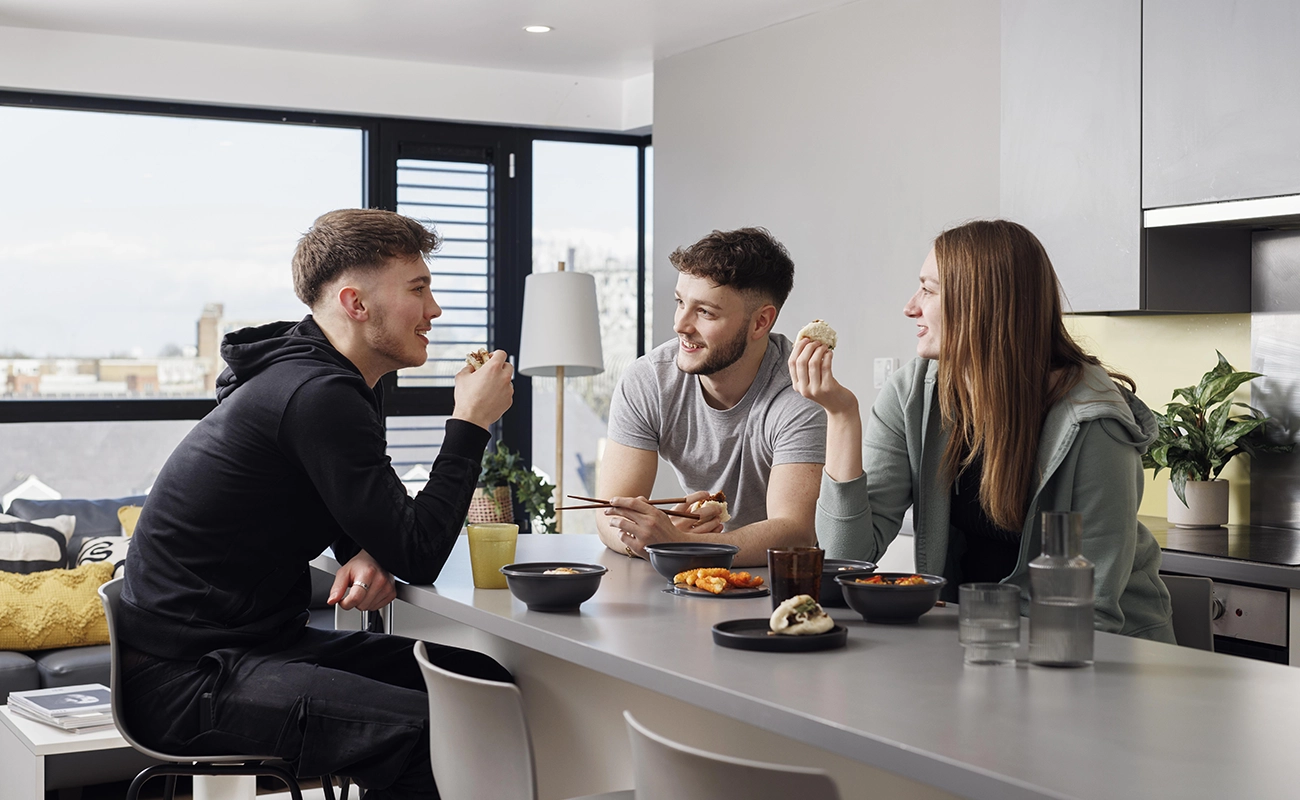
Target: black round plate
x,y
691,591
752,634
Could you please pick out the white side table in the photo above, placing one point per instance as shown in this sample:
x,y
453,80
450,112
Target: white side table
x,y
25,743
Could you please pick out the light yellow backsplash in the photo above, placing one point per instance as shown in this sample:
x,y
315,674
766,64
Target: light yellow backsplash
x,y
1163,353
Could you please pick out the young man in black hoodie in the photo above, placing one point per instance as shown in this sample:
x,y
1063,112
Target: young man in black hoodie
x,y
217,655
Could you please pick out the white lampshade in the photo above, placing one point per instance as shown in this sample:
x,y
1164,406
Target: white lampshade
x,y
561,326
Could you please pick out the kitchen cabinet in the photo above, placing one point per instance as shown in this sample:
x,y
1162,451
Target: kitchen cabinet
x,y
1220,100
1072,161
1071,142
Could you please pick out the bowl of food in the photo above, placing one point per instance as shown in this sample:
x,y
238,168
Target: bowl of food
x,y
553,585
672,558
890,597
831,594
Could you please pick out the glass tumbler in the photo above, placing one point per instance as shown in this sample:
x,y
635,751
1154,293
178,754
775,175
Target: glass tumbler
x,y
989,622
794,571
491,547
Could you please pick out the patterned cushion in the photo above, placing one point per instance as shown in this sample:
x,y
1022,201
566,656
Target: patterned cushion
x,y
94,517
33,546
54,608
105,548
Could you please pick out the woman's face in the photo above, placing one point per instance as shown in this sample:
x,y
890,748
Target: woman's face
x,y
926,309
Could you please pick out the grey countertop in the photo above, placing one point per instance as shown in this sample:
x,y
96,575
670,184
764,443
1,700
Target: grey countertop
x,y
1249,553
1148,720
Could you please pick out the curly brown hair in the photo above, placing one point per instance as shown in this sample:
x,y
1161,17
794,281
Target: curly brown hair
x,y
748,259
355,239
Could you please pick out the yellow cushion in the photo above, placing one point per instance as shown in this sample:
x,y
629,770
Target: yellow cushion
x,y
53,608
127,515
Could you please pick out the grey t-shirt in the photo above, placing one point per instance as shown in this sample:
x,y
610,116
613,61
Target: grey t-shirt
x,y
658,407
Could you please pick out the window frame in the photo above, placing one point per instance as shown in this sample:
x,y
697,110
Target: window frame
x,y
382,138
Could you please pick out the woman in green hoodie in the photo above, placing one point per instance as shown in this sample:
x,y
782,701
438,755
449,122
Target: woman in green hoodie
x,y
1000,418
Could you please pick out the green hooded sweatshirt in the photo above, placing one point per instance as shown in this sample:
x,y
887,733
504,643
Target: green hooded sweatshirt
x,y
1090,461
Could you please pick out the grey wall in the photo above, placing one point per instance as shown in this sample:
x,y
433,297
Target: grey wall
x,y
856,135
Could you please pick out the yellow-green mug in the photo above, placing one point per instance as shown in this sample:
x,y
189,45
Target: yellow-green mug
x,y
491,547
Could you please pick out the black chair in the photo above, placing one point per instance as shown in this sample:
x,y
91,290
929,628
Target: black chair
x,y
190,765
1193,600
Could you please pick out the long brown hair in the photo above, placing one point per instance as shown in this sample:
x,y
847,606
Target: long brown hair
x,y
1005,358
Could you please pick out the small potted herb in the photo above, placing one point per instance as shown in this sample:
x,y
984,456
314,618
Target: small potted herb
x,y
1198,434
507,480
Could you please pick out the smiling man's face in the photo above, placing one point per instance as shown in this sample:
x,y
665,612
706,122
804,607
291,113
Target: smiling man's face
x,y
712,325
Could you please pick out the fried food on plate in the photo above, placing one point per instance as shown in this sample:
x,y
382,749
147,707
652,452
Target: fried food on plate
x,y
716,579
818,331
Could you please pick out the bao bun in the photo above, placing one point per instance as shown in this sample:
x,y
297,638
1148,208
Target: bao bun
x,y
800,616
818,331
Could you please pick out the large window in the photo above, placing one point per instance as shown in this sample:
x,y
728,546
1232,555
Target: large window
x,y
136,241
585,213
134,235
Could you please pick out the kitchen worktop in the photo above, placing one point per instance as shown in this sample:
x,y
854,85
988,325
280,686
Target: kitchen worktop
x,y
1250,553
1148,720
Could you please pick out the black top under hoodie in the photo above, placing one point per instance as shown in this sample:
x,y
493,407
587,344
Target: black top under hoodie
x,y
292,460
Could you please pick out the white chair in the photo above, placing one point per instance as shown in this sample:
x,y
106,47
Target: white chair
x,y
668,770
110,594
1192,599
479,743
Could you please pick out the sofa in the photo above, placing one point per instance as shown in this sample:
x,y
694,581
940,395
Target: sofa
x,y
67,666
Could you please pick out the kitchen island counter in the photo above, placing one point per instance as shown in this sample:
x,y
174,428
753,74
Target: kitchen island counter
x,y
1148,720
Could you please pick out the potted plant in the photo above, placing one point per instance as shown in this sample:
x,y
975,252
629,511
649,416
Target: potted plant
x,y
1198,434
505,481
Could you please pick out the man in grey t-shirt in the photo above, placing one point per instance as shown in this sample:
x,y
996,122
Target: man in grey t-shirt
x,y
717,404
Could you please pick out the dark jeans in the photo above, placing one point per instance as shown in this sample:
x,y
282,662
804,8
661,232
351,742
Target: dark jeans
x,y
330,702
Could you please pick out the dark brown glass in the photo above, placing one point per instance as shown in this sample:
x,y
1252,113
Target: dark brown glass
x,y
794,571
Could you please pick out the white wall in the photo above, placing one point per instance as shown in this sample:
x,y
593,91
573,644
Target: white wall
x,y
855,135
125,67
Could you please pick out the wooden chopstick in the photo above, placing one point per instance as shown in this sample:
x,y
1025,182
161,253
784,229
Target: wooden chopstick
x,y
672,501
670,513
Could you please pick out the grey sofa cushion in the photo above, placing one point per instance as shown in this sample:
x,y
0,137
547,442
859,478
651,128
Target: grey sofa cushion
x,y
94,517
17,673
70,666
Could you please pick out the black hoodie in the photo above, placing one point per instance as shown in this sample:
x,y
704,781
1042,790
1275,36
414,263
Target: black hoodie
x,y
292,460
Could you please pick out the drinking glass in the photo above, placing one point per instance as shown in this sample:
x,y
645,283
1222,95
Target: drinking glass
x,y
794,571
989,622
491,547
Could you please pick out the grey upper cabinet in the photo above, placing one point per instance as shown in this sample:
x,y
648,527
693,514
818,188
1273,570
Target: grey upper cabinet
x,y
1071,142
1221,100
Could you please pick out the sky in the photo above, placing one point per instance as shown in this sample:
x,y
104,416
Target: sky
x,y
117,229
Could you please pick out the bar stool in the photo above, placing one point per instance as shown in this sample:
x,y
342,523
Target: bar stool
x,y
668,770
479,743
208,766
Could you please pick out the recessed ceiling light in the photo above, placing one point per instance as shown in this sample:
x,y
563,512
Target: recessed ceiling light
x,y
538,28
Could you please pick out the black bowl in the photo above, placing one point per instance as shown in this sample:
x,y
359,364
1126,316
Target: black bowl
x,y
878,602
542,592
670,558
831,594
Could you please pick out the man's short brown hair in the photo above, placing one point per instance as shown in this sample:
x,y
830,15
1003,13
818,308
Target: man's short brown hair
x,y
354,239
747,259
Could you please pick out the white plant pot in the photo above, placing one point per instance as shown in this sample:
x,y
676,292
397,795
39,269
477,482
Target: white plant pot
x,y
1207,505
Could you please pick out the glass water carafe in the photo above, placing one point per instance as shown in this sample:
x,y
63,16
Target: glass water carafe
x,y
1061,596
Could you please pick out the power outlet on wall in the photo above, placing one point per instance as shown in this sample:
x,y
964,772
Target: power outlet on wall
x,y
884,367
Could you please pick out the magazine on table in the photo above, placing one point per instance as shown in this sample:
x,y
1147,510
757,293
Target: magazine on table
x,y
77,707
75,723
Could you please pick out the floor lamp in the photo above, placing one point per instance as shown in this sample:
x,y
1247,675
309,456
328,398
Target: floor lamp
x,y
560,336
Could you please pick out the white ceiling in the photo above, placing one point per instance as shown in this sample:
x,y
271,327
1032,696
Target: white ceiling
x,y
594,38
